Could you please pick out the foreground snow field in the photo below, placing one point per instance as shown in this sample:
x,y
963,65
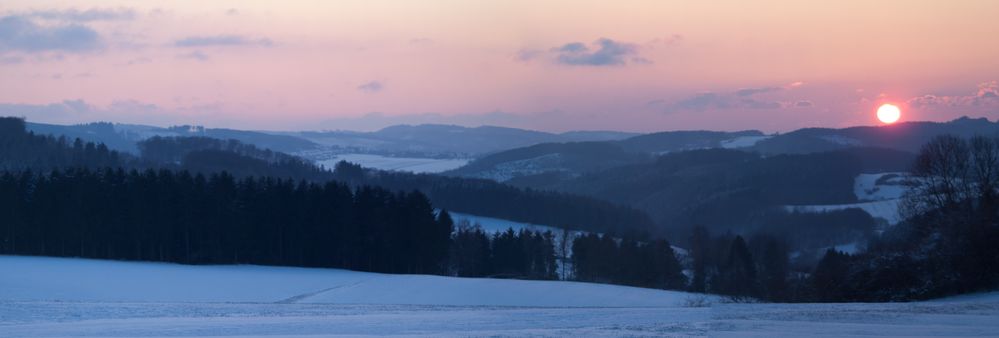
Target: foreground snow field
x,y
54,297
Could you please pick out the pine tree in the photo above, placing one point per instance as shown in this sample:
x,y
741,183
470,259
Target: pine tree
x,y
739,274
829,279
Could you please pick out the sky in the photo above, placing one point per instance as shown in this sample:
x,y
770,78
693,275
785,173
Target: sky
x,y
772,65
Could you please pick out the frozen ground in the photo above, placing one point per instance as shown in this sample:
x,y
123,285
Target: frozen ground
x,y
415,165
51,297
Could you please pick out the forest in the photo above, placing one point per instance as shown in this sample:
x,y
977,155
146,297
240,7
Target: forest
x,y
20,149
74,199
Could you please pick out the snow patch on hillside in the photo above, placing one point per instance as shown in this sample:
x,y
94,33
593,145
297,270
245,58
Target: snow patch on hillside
x,y
887,210
494,225
408,164
880,186
742,142
880,195
530,166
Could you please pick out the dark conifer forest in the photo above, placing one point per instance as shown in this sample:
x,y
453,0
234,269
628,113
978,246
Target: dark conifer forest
x,y
208,201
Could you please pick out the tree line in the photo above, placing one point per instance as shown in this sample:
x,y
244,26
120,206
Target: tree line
x,y
20,149
605,259
218,219
510,254
730,265
946,246
180,217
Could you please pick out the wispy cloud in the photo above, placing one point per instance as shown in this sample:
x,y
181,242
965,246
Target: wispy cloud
x,y
222,41
371,87
602,52
93,14
986,95
606,52
19,33
754,91
744,98
195,55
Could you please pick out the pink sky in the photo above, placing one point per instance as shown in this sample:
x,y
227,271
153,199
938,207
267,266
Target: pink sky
x,y
552,65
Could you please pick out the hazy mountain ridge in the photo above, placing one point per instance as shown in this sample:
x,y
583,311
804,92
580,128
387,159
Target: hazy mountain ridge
x,y
730,189
538,162
572,158
125,137
437,140
21,150
428,140
532,166
904,136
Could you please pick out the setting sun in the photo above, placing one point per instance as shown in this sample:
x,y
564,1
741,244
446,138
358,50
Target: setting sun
x,y
889,113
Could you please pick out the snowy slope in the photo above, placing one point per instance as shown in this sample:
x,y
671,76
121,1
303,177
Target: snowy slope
x,y
55,297
410,164
887,210
742,142
493,225
83,280
891,186
880,195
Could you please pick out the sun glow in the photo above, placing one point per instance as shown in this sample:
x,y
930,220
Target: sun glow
x,y
889,113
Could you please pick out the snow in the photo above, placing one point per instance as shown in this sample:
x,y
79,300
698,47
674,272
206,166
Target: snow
x,y
865,186
525,167
84,280
850,248
887,210
878,199
493,225
410,164
60,297
742,142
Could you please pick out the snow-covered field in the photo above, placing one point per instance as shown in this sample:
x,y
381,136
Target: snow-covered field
x,y
56,297
880,195
493,225
415,165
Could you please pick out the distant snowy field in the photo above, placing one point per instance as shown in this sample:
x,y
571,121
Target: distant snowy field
x,y
879,195
742,142
493,225
57,297
414,165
